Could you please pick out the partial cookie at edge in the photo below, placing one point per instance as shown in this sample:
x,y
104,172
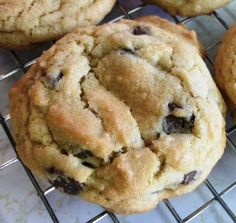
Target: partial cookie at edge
x,y
25,23
189,8
225,67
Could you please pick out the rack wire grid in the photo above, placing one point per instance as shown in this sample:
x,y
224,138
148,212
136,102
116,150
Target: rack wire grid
x,y
204,27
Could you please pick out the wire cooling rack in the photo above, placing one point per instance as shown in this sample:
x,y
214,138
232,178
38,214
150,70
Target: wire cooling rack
x,y
124,10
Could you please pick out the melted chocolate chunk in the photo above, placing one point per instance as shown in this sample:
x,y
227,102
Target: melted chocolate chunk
x,y
68,185
148,144
117,154
141,30
172,124
125,51
172,106
59,77
188,178
52,170
192,120
87,164
64,152
84,154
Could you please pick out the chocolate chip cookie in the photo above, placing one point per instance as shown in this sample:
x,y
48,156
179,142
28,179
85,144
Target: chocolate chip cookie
x,y
189,7
122,114
23,23
225,67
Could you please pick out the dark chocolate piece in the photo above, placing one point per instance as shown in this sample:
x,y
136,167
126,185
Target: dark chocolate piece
x,y
68,185
87,164
172,124
158,135
117,154
64,152
128,51
53,80
141,30
172,106
52,170
83,154
190,177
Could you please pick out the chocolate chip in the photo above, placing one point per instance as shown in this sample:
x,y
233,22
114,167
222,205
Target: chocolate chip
x,y
59,77
87,164
141,30
64,152
172,124
83,154
53,80
172,106
148,143
128,51
192,119
117,154
189,177
67,184
52,170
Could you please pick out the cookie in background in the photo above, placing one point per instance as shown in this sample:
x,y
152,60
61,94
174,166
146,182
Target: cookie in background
x,y
24,23
190,7
225,67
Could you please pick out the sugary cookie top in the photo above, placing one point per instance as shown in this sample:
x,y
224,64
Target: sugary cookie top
x,y
120,113
25,22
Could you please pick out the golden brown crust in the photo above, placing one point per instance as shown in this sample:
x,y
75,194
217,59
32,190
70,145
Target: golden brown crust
x,y
120,115
189,7
177,29
225,68
24,23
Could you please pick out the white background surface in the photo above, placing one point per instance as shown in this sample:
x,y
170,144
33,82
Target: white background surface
x,y
18,198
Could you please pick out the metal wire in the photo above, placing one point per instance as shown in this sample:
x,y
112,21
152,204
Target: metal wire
x,y
42,194
220,200
98,217
30,175
173,211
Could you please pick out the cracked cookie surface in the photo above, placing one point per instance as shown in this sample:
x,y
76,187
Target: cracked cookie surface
x,y
23,23
225,67
123,114
189,7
